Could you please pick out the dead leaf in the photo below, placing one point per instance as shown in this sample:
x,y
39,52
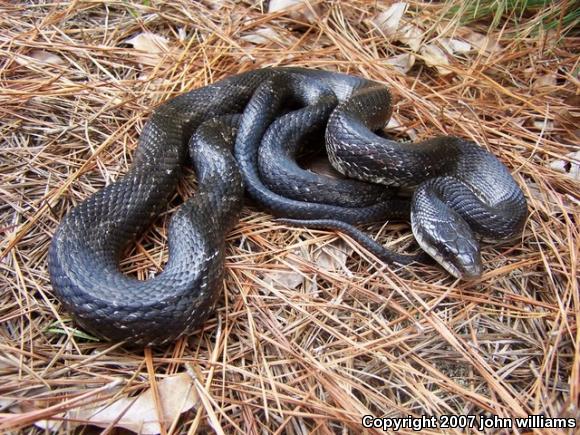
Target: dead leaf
x,y
402,62
286,279
388,21
49,425
535,191
569,117
216,4
485,44
181,34
410,35
299,9
569,167
149,42
321,165
152,47
543,81
529,72
395,125
453,46
544,125
154,84
262,36
333,256
6,403
177,394
435,57
39,56
392,25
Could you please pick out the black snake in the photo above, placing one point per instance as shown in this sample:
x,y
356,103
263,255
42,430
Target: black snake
x,y
460,190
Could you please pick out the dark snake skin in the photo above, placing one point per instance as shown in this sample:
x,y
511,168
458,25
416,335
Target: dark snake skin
x,y
460,189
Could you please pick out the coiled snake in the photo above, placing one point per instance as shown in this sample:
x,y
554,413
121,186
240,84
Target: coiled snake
x,y
462,194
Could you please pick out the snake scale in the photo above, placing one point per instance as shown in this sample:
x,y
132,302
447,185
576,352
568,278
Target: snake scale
x,y
461,194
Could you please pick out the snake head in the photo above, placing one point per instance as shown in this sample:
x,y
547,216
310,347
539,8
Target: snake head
x,y
445,236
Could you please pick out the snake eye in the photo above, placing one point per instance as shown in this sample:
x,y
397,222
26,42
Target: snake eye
x,y
446,237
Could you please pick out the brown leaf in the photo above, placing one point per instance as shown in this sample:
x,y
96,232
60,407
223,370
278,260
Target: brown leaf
x,y
545,125
485,44
453,46
299,9
410,35
41,56
284,279
544,81
569,117
401,62
321,165
389,20
434,56
151,47
262,36
176,393
333,256
570,166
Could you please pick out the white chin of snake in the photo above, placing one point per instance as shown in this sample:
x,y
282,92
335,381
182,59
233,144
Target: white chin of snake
x,y
433,252
436,256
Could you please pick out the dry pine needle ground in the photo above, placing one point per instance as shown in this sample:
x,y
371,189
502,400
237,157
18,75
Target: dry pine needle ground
x,y
312,333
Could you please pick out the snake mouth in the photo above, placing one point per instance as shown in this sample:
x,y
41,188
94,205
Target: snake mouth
x,y
466,267
462,258
466,271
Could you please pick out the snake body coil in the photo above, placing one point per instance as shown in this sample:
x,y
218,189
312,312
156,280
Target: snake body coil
x,y
460,190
